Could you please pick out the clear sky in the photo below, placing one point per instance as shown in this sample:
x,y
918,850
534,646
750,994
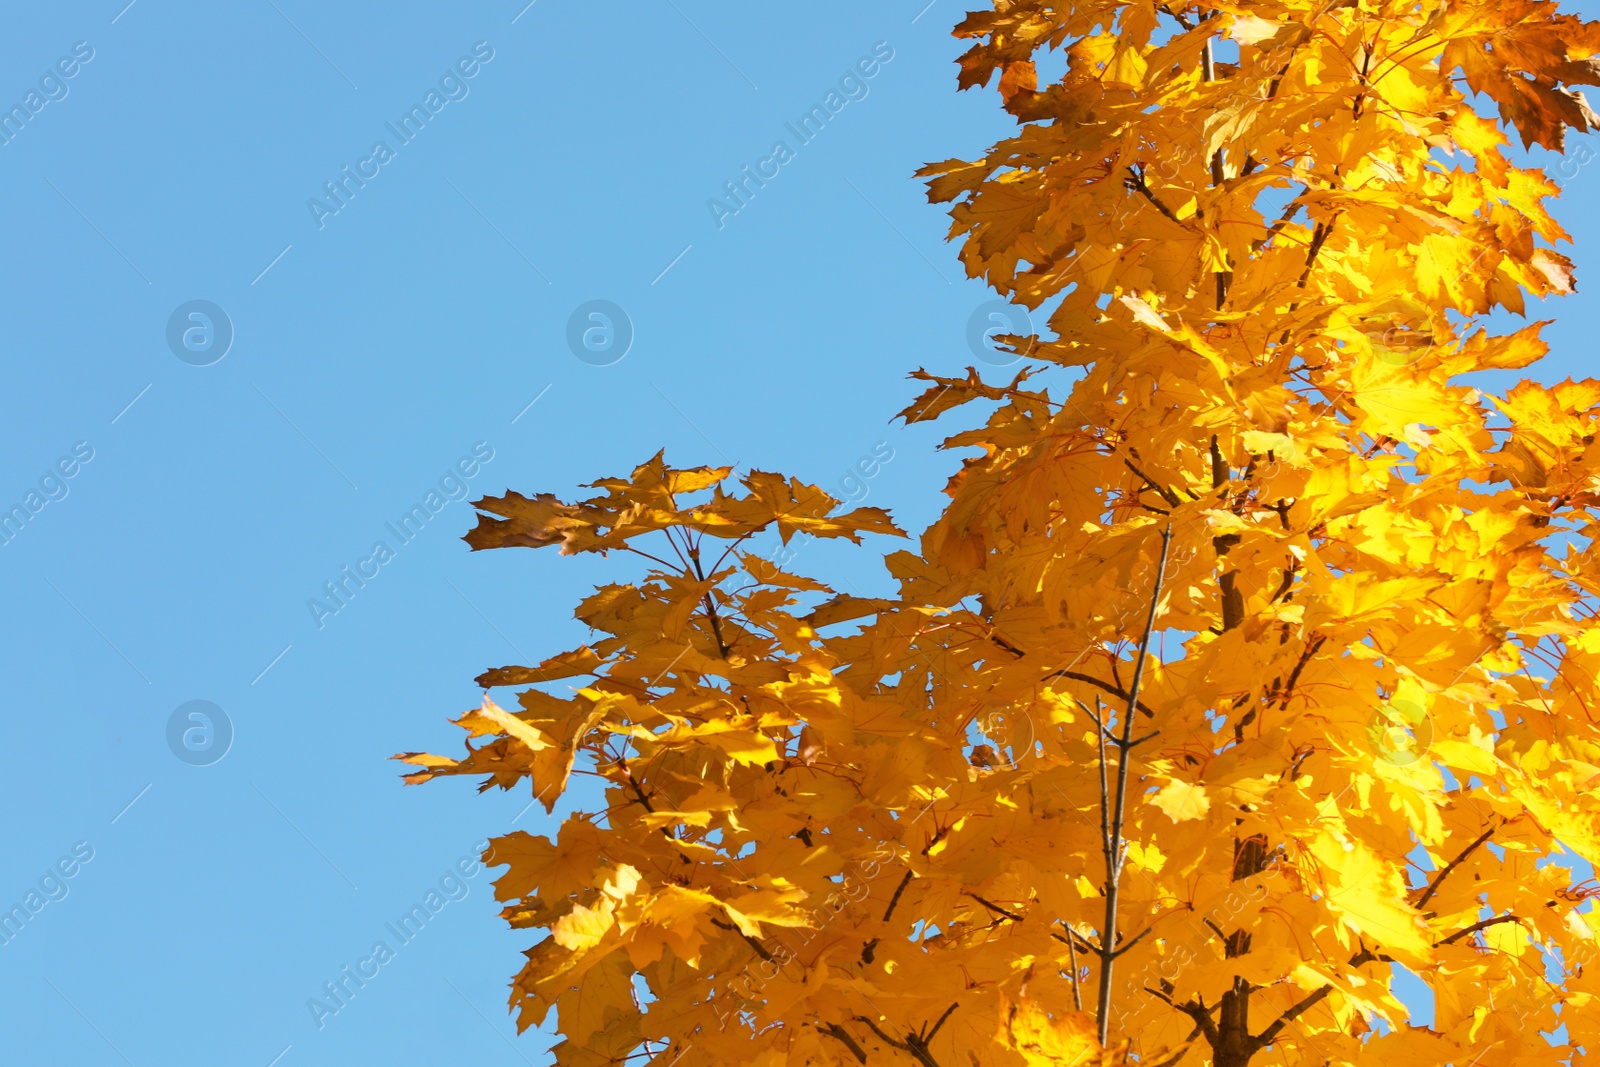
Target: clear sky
x,y
242,343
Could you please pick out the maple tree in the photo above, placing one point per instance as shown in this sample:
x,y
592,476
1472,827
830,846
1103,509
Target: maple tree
x,y
1250,668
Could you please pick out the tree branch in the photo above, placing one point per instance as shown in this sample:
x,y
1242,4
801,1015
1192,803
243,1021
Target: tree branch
x,y
1318,236
1300,665
942,1018
1077,994
997,909
1288,579
761,950
1089,679
1181,1052
1136,183
1136,939
913,1044
885,1038
1220,469
1166,494
1433,887
1177,17
901,888
711,607
1074,938
834,1030
1201,1015
651,808
1306,1003
1113,848
1482,924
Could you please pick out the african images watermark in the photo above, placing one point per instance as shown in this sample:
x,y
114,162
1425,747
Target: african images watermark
x,y
452,485
52,88
338,992
452,88
599,332
199,332
852,86
52,887
1400,732
52,487
199,733
991,323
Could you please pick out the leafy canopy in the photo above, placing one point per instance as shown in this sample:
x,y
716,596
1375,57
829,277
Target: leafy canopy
x,y
1250,666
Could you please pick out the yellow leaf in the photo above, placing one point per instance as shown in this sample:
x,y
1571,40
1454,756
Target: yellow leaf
x,y
583,927
604,993
1182,801
1043,1040
1369,896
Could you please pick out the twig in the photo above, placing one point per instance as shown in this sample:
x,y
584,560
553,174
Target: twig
x,y
1136,939
711,607
1074,938
761,950
1089,679
913,1044
1182,1051
1201,1015
940,1023
1482,924
901,888
639,793
1111,821
1318,236
1306,1003
1294,675
885,1038
1453,864
838,1032
1077,995
1177,17
997,909
1136,183
1166,494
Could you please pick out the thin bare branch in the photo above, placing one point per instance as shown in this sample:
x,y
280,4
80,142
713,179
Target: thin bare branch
x,y
1482,924
997,909
894,900
1137,184
1306,1003
1177,16
885,1038
1089,679
1111,821
760,949
1077,994
942,1018
1136,939
1201,1015
839,1033
1166,494
1433,887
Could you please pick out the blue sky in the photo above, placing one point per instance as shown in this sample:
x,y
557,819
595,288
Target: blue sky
x,y
373,348
373,354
